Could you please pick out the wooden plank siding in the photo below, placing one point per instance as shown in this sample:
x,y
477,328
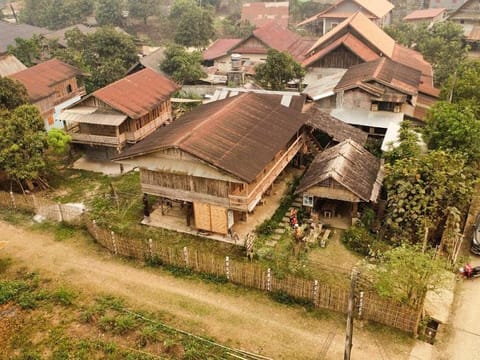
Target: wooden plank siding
x,y
338,58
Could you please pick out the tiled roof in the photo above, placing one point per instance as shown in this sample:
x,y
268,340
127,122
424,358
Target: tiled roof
x,y
349,164
220,48
40,79
415,60
239,135
383,71
276,36
137,94
378,7
259,13
424,14
9,32
375,36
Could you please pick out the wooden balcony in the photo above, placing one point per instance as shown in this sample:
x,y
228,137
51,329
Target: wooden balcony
x,y
133,137
89,139
248,203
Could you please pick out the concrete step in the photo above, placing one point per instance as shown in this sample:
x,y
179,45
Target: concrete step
x,y
279,231
297,204
282,225
271,243
276,237
286,219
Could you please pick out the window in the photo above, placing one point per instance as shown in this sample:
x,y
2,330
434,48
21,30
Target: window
x,y
69,88
308,200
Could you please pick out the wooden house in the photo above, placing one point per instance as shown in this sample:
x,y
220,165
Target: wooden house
x,y
338,179
220,159
260,13
357,40
468,16
426,16
51,86
378,11
122,113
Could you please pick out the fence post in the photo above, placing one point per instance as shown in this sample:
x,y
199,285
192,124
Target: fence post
x,y
94,228
360,304
12,198
269,279
227,267
35,203
150,248
114,242
60,213
185,255
315,293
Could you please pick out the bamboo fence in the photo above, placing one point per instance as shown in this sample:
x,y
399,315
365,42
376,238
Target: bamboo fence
x,y
369,306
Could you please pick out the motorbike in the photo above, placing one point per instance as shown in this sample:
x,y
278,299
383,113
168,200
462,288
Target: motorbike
x,y
469,272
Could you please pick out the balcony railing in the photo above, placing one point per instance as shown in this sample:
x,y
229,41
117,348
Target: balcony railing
x,y
147,129
90,139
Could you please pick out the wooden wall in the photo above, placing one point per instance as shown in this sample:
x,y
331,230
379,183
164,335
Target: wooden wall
x,y
341,57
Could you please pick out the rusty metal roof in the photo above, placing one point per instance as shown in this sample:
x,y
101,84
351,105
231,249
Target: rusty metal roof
x,y
137,94
349,164
334,128
40,79
276,36
239,135
220,48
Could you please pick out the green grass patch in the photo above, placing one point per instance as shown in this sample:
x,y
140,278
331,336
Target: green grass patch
x,y
64,296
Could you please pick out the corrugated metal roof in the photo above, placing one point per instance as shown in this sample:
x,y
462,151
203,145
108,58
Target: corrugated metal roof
x,y
220,48
336,129
137,94
276,36
259,13
424,14
9,64
40,79
323,87
92,115
349,164
239,135
9,32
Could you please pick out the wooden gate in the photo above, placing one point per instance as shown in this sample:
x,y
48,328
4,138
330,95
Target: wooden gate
x,y
210,217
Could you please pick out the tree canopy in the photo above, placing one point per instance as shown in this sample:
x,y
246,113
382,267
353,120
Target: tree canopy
x,y
142,9
108,12
441,44
55,14
183,66
454,128
278,70
28,51
12,94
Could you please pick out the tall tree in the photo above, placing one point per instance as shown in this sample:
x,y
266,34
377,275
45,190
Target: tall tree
x,y
454,128
142,9
278,70
23,145
28,51
12,94
183,66
109,12
463,85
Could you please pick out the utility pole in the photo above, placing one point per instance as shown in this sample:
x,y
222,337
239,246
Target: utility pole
x,y
349,331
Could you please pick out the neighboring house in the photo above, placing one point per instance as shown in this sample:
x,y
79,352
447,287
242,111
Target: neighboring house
x,y
254,48
122,113
468,16
51,86
219,159
260,13
446,4
426,16
340,178
321,87
59,35
378,11
9,32
9,64
358,40
151,61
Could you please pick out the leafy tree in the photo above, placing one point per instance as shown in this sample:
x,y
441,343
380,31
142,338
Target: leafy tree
x,y
420,189
55,14
192,24
183,66
106,55
278,70
233,27
407,148
108,12
23,145
58,141
142,8
442,45
12,94
28,51
406,273
454,128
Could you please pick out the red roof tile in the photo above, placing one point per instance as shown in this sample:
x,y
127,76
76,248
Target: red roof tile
x,y
260,13
413,59
276,36
424,14
137,94
40,79
220,48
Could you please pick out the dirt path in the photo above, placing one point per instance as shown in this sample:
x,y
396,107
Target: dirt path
x,y
233,316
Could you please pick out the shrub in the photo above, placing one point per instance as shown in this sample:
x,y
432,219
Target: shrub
x,y
64,296
359,239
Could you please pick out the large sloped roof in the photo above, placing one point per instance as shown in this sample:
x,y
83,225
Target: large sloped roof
x,y
366,28
137,94
40,79
259,13
338,130
424,14
9,32
276,36
349,164
220,48
239,135
9,64
384,71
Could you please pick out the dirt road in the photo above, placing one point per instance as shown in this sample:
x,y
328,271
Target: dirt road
x,y
236,317
463,333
